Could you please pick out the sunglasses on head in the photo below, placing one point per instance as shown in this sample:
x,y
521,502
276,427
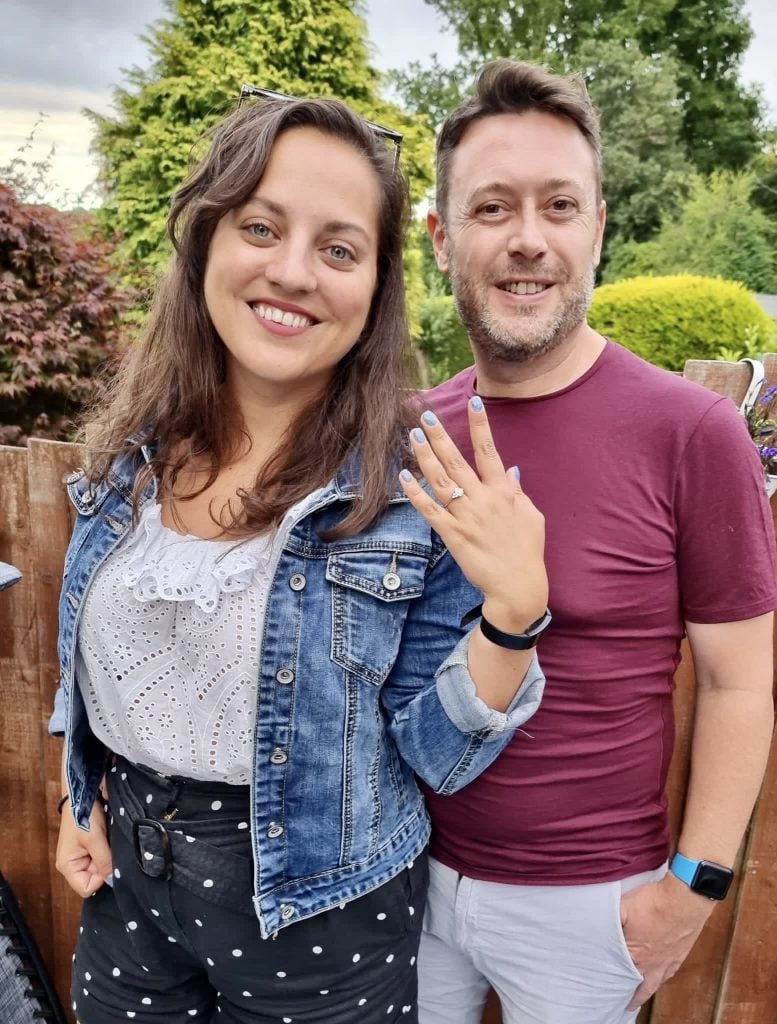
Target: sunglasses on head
x,y
247,91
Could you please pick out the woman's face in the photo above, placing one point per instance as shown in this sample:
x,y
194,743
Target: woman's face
x,y
291,273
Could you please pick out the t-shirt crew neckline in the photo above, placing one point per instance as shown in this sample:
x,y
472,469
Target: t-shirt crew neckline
x,y
601,360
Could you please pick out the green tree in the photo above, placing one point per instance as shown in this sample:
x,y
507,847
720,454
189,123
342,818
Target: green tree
x,y
200,54
721,118
719,232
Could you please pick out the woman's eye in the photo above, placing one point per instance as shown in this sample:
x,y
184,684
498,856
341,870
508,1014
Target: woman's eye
x,y
340,253
259,231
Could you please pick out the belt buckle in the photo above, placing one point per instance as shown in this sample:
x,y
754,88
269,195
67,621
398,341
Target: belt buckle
x,y
164,840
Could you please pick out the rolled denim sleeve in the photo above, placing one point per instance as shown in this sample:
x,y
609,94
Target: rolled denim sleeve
x,y
443,730
456,690
9,575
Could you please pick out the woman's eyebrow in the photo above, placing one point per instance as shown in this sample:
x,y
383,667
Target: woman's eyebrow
x,y
331,226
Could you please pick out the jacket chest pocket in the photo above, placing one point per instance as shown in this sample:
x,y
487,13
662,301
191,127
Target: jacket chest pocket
x,y
370,594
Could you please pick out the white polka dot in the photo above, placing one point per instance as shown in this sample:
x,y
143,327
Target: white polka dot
x,y
148,856
406,1009
237,952
324,992
144,968
198,922
390,1008
146,1001
317,950
113,769
412,961
390,958
87,975
192,1013
86,992
73,958
242,824
209,961
280,974
132,925
410,865
216,805
155,912
248,995
171,939
149,798
411,910
116,873
362,1002
189,839
130,1013
341,906
287,1020
123,776
356,957
208,883
381,917
115,972
81,930
121,812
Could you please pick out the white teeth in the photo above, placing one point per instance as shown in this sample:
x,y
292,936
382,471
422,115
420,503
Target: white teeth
x,y
280,316
525,287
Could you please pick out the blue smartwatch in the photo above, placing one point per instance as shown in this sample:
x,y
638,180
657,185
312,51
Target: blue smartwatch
x,y
702,876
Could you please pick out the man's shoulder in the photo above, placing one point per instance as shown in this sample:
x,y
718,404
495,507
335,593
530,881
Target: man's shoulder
x,y
452,393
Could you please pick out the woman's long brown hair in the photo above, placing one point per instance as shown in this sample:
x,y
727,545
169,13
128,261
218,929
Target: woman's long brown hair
x,y
170,391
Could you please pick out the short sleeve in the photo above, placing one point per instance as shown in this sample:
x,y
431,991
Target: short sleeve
x,y
725,533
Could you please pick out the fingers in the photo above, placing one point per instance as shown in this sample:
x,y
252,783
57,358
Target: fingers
x,y
84,858
439,460
487,457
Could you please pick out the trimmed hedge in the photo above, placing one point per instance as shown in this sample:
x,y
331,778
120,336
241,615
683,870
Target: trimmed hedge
x,y
667,320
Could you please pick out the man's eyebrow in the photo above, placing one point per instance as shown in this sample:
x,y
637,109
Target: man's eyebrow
x,y
505,188
333,226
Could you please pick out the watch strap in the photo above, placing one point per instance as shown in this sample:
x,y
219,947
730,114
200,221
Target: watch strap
x,y
684,868
511,641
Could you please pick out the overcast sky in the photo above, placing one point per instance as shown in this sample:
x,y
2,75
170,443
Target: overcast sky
x,y
58,56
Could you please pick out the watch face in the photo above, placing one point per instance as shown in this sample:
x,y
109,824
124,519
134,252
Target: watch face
x,y
711,880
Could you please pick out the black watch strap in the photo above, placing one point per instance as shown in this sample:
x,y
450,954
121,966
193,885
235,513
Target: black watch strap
x,y
511,641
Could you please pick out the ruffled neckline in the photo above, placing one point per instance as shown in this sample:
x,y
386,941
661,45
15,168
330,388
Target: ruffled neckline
x,y
171,566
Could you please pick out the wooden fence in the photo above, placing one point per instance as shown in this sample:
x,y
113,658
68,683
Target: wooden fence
x,y
729,978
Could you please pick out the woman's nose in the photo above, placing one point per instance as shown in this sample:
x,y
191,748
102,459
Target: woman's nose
x,y
290,267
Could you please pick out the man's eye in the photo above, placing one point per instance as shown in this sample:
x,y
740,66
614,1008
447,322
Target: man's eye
x,y
563,205
490,209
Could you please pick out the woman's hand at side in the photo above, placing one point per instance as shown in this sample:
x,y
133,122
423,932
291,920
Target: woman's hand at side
x,y
84,858
496,535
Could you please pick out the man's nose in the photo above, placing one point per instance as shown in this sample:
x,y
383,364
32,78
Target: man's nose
x,y
527,235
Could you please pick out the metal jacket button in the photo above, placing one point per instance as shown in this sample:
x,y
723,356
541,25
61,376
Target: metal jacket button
x,y
274,830
287,911
297,581
285,676
278,756
391,581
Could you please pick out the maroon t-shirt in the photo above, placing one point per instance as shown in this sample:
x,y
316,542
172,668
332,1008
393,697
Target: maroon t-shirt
x,y
655,513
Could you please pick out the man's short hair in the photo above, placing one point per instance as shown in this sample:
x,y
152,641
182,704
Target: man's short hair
x,y
517,87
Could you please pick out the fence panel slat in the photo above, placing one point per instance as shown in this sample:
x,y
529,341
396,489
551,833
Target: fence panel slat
x,y
49,462
24,850
729,379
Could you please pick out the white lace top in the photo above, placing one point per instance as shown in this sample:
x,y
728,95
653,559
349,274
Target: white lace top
x,y
168,650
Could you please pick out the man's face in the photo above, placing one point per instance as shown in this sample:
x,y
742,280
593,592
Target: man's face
x,y
522,233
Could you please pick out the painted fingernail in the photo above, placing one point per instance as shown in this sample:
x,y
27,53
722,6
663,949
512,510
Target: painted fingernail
x,y
406,475
476,403
516,473
418,435
429,418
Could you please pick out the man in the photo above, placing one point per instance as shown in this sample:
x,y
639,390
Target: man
x,y
549,877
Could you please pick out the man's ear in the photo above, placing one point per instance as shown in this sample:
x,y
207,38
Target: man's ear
x,y
437,235
601,218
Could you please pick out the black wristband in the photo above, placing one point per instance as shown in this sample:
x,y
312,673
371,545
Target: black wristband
x,y
61,802
511,641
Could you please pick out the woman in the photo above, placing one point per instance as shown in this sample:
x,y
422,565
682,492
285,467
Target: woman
x,y
253,610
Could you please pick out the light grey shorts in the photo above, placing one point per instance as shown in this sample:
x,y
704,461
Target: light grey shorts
x,y
555,954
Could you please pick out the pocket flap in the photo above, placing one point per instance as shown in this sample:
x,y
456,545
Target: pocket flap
x,y
389,575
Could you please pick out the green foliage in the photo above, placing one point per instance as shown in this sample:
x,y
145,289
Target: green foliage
x,y
443,340
60,311
667,320
201,54
721,118
719,231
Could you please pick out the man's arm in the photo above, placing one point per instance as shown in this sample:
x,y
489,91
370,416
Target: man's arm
x,y
731,738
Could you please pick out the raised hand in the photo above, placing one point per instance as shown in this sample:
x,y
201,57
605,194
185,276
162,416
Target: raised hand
x,y
489,525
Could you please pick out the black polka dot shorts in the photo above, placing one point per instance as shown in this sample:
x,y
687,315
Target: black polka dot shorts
x,y
175,939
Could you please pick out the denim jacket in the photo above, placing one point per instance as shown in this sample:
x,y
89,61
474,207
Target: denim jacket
x,y
362,681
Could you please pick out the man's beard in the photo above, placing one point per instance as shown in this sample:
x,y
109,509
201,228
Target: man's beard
x,y
528,332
